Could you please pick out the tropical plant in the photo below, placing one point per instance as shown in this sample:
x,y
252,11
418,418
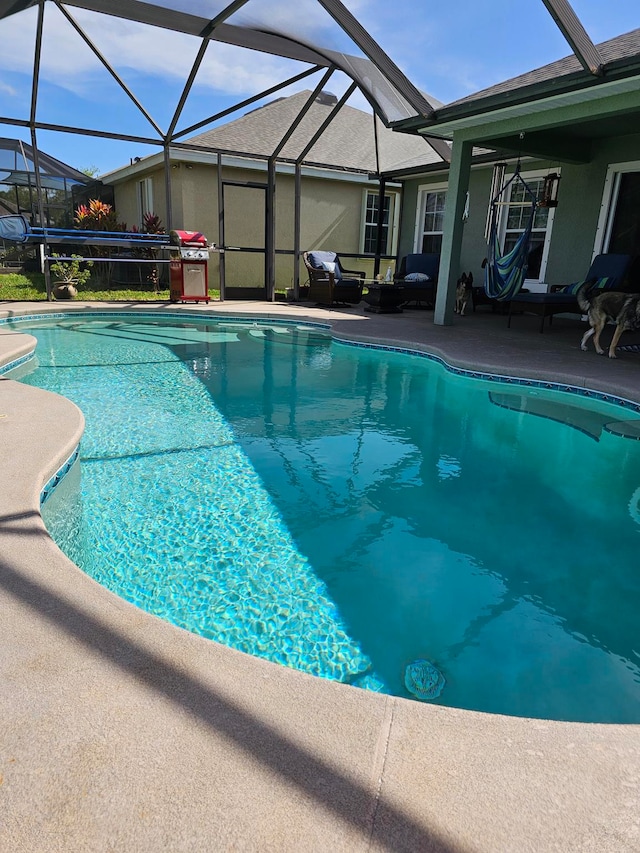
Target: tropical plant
x,y
97,216
151,224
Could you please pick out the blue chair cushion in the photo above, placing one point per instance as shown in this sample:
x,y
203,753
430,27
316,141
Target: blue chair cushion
x,y
603,283
326,261
317,259
426,263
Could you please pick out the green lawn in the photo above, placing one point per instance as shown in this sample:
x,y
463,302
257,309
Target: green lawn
x,y
30,287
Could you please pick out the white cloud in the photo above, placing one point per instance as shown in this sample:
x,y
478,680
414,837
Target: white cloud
x,y
8,90
69,63
140,53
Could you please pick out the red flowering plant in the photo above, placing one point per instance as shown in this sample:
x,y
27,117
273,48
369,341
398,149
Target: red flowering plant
x,y
98,216
151,224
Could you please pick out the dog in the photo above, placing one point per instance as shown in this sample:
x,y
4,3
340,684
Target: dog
x,y
463,292
623,309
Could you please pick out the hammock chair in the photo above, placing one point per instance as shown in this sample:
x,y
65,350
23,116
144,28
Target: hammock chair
x,y
503,275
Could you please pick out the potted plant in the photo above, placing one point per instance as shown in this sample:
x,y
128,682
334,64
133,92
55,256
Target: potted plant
x,y
69,275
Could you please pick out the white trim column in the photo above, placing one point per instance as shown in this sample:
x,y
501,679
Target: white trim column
x,y
453,229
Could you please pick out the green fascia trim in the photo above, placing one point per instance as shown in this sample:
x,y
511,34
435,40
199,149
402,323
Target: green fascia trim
x,y
567,84
548,114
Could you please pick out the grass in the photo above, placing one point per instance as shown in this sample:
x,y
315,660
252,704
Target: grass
x,y
30,287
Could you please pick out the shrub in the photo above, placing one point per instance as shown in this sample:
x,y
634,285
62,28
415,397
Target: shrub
x,y
70,272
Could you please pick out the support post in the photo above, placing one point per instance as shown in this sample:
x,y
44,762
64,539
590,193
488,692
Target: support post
x,y
297,219
34,147
167,187
221,255
270,236
379,225
452,232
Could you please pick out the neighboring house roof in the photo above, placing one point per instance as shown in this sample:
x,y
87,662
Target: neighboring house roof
x,y
348,143
17,157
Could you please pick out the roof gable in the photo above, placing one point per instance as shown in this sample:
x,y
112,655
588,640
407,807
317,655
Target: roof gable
x,y
347,143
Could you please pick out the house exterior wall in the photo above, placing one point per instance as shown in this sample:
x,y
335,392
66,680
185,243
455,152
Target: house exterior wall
x,y
474,248
575,222
580,199
331,216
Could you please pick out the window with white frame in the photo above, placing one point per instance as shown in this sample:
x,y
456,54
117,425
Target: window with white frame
x,y
619,225
430,219
514,216
370,223
145,198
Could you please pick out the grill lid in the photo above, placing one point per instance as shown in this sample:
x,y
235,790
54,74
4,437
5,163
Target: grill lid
x,y
188,238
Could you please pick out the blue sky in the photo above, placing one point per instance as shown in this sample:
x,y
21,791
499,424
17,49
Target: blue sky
x,y
447,49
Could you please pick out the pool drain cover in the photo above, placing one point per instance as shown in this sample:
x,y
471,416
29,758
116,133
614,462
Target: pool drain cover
x,y
423,679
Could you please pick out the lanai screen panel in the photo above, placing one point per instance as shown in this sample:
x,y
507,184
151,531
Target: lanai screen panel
x,y
304,32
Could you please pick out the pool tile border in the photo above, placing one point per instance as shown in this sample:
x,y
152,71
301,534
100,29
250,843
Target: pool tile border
x,y
501,378
49,486
175,315
11,365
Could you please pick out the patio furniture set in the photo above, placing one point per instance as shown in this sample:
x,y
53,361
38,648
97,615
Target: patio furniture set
x,y
330,283
416,281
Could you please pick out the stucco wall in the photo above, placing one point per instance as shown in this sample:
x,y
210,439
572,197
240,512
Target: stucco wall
x,y
331,217
580,199
576,217
473,244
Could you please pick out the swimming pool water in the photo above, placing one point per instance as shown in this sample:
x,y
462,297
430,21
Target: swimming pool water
x,y
347,511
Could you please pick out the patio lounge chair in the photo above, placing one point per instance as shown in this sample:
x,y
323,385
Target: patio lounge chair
x,y
418,274
606,272
330,282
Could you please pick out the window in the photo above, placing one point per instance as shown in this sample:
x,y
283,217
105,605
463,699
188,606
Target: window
x,y
619,225
389,225
430,219
513,221
145,198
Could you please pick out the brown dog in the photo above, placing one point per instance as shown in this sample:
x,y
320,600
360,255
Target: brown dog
x,y
623,309
463,292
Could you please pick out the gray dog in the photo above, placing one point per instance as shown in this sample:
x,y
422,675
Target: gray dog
x,y
623,309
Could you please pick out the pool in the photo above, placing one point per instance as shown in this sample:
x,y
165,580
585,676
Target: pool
x,y
350,510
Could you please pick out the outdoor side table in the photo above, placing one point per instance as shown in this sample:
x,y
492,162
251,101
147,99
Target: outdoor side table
x,y
384,298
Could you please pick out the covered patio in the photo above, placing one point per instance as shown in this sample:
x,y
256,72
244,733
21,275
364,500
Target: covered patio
x,y
577,115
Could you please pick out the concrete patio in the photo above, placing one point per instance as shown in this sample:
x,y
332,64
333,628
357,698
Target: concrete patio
x,y
121,732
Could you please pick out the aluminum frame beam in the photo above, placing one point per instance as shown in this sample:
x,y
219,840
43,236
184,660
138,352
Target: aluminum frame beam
x,y
275,44
571,28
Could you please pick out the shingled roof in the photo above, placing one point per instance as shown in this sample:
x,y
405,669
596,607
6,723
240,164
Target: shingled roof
x,y
621,51
348,143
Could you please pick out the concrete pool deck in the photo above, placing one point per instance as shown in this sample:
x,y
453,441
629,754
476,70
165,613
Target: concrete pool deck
x,y
120,732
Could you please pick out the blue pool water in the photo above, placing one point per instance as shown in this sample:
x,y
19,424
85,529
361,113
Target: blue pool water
x,y
348,511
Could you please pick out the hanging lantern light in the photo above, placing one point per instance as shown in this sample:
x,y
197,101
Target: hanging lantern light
x,y
549,194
